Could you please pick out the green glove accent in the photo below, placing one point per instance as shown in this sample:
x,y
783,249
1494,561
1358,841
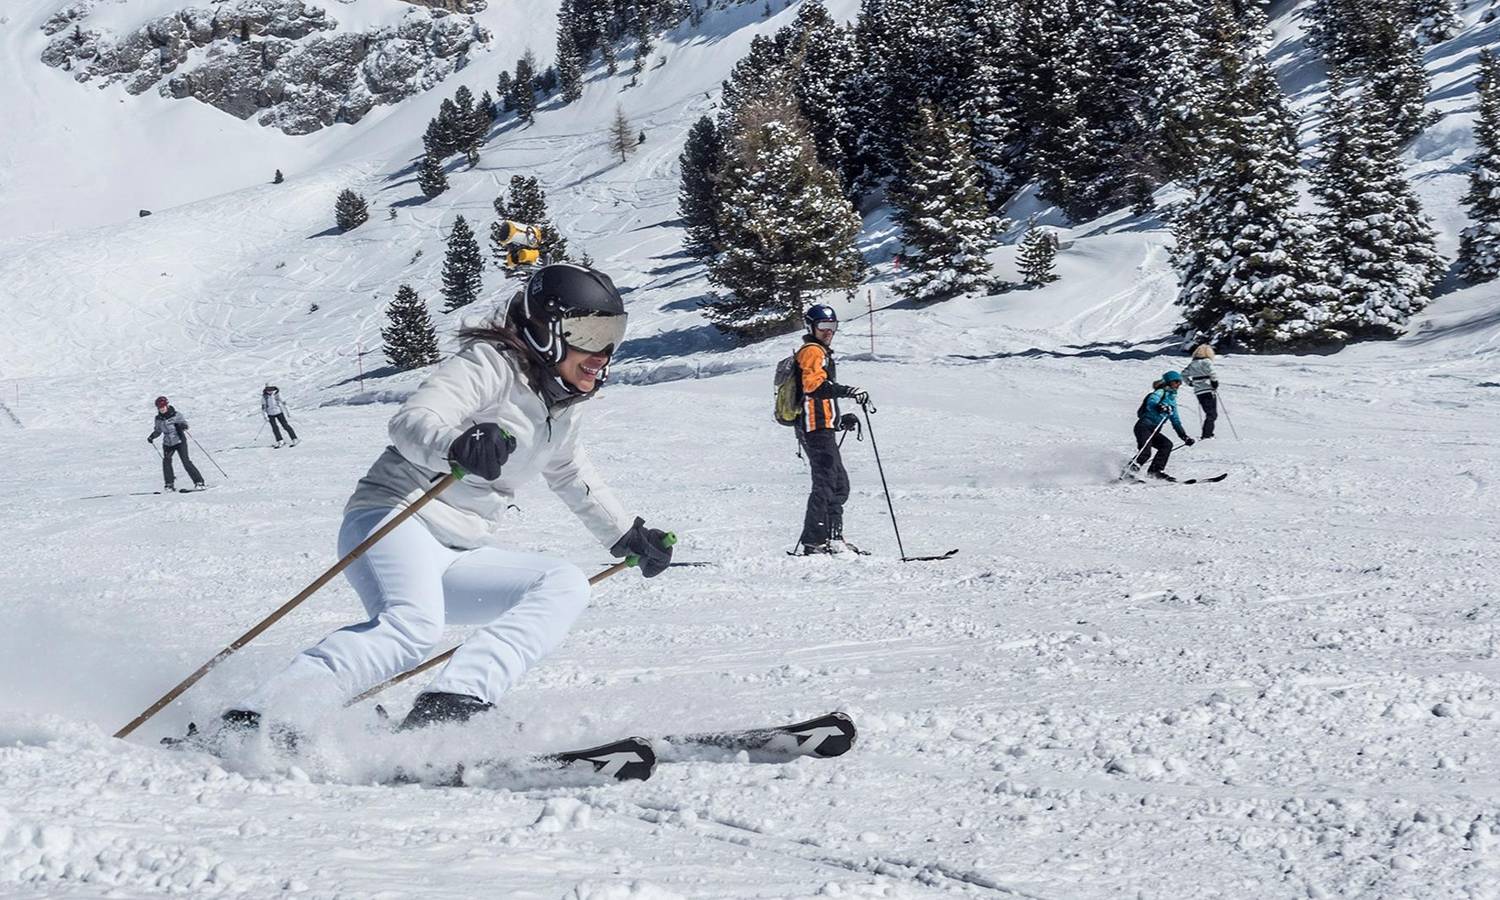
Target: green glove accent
x,y
668,540
458,472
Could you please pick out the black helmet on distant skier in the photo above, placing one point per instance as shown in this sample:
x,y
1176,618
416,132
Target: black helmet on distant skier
x,y
161,401
821,317
565,305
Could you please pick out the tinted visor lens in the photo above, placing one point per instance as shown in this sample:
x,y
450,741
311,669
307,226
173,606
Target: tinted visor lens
x,y
595,333
829,327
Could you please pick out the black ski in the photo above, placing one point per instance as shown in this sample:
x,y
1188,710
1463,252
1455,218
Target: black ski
x,y
631,759
941,556
1219,477
824,737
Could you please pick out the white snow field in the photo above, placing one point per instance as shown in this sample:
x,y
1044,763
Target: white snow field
x,y
1280,686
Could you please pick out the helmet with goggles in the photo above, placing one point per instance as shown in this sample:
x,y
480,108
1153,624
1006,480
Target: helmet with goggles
x,y
566,305
821,318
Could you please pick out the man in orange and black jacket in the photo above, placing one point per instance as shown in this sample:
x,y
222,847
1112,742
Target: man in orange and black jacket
x,y
817,430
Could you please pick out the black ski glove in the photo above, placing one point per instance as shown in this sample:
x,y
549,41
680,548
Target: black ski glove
x,y
848,422
482,450
1188,441
651,547
858,396
1214,385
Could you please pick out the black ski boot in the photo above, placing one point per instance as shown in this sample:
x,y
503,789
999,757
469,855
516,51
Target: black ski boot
x,y
439,708
1160,475
823,549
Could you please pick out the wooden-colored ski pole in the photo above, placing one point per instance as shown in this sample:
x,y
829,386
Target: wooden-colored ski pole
x,y
443,657
441,485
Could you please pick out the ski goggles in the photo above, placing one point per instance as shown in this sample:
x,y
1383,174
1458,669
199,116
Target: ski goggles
x,y
594,332
829,327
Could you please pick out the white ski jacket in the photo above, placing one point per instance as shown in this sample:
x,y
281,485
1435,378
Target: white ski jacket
x,y
1200,375
271,404
483,384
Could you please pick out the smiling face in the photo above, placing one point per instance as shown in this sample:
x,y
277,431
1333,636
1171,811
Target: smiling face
x,y
581,369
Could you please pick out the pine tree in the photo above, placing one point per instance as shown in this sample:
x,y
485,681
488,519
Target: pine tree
x,y
1381,249
988,105
504,85
523,89
350,211
1437,20
697,197
410,338
942,209
644,42
622,134
279,178
1397,78
546,82
1246,260
528,205
463,267
1037,255
824,62
569,66
1479,244
488,109
499,204
430,176
788,231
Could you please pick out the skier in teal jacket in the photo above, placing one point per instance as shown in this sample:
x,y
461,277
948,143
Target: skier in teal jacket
x,y
1159,407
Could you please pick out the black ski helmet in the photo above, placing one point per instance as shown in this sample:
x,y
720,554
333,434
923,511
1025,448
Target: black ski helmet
x,y
819,315
564,305
160,402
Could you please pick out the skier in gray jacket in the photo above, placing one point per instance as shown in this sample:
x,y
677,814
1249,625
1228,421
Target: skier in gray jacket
x,y
503,412
172,428
274,409
1204,381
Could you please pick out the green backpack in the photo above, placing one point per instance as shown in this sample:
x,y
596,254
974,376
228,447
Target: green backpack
x,y
788,391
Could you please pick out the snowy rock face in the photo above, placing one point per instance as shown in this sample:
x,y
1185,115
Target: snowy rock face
x,y
279,59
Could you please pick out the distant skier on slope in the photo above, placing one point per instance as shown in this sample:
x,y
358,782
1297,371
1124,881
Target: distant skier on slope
x,y
274,409
172,428
818,425
505,410
1159,407
1204,381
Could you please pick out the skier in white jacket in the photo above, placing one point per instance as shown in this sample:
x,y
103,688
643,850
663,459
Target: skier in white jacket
x,y
503,411
1204,381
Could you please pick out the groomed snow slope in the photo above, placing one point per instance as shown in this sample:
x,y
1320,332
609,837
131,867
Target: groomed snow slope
x,y
1283,685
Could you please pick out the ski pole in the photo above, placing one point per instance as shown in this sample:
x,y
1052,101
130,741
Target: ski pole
x,y
263,421
1224,409
870,429
1135,457
443,657
210,457
441,485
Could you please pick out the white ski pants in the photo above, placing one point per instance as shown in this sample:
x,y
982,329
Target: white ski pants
x,y
411,586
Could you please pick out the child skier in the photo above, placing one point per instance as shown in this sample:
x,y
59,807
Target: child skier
x,y
505,410
1159,407
1204,381
817,429
172,428
274,409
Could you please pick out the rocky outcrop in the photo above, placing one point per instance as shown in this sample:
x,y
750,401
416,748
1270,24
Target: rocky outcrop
x,y
280,60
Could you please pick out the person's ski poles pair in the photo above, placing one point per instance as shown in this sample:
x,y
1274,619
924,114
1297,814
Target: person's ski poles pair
x,y
867,408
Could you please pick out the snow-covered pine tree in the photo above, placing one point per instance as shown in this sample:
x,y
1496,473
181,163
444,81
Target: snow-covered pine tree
x,y
569,65
988,104
622,134
787,229
640,29
1397,77
1037,255
760,73
463,267
451,127
523,88
410,338
279,178
944,214
697,197
1437,20
546,82
350,210
1380,248
500,208
1246,260
824,62
488,109
528,204
430,176
1479,244
1177,94
504,85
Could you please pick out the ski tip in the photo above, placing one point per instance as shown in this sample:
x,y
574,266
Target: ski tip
x,y
631,759
825,737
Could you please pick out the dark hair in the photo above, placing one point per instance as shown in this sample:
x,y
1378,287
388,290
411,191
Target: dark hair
x,y
500,332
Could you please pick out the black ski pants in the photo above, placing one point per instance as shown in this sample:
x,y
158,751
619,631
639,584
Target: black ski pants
x,y
168,474
276,432
1210,403
1160,443
830,487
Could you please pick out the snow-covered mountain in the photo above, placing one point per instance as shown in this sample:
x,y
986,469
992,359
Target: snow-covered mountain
x,y
1283,685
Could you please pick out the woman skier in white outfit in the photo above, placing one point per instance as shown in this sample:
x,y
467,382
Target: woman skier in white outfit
x,y
1204,381
502,412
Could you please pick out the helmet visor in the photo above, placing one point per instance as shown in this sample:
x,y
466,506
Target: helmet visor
x,y
594,332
